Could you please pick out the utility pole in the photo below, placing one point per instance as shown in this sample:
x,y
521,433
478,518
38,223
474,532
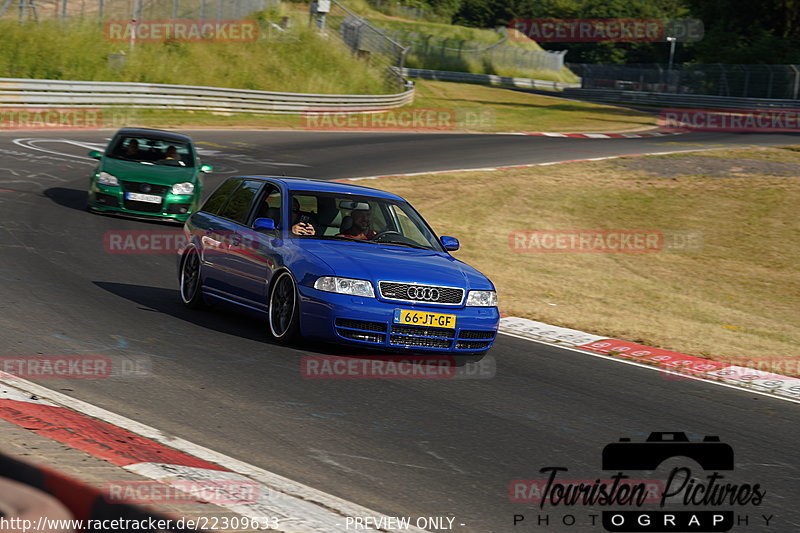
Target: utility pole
x,y
672,41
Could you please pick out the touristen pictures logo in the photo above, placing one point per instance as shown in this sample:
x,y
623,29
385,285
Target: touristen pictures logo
x,y
675,497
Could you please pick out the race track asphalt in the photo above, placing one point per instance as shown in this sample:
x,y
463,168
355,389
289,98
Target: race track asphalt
x,y
402,447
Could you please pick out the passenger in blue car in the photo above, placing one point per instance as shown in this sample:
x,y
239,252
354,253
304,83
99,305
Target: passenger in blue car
x,y
302,223
360,225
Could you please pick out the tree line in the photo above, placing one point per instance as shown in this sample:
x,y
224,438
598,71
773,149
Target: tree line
x,y
736,31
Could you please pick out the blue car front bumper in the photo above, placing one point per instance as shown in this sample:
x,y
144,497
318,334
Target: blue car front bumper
x,y
369,322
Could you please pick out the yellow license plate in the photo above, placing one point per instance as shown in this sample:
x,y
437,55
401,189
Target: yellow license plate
x,y
422,318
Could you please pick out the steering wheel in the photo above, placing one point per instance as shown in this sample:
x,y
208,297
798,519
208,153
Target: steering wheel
x,y
385,232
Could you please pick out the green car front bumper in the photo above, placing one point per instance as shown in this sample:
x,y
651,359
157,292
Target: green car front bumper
x,y
109,199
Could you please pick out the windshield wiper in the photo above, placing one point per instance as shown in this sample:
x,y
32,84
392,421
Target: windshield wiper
x,y
398,243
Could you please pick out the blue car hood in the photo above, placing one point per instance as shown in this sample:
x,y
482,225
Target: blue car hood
x,y
395,263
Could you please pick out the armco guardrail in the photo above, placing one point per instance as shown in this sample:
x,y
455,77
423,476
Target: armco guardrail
x,y
486,79
57,93
678,100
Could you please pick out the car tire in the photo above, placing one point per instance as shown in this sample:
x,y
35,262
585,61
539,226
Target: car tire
x,y
191,289
284,309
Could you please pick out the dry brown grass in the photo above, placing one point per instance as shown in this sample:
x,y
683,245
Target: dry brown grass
x,y
736,299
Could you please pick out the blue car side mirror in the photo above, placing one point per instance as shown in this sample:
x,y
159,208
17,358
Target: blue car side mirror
x,y
264,224
450,243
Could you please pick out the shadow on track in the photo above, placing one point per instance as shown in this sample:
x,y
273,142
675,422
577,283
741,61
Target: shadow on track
x,y
230,321
78,199
72,198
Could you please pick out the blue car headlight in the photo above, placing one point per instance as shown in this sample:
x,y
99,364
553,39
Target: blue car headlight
x,y
186,187
104,178
482,299
354,287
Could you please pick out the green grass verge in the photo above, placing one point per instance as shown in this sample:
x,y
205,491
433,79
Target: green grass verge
x,y
506,110
475,108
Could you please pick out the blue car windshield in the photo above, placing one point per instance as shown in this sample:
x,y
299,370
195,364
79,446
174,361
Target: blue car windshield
x,y
364,219
151,151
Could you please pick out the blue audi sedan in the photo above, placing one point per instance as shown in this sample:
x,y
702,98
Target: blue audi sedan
x,y
335,262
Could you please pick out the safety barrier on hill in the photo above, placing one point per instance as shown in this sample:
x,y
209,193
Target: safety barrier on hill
x,y
486,79
699,101
18,93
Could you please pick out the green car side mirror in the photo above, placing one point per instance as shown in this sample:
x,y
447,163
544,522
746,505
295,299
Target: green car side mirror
x,y
206,168
94,154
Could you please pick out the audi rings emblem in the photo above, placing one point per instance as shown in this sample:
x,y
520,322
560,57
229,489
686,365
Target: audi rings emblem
x,y
428,294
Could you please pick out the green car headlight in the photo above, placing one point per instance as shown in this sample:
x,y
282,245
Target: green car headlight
x,y
355,287
186,187
104,178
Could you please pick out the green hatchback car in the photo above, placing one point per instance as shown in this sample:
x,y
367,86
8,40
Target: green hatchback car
x,y
147,173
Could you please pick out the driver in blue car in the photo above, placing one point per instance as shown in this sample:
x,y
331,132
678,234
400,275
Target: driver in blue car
x,y
361,227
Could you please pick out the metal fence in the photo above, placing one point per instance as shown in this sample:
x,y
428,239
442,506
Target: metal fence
x,y
18,93
133,9
701,101
395,46
496,55
487,79
366,40
747,81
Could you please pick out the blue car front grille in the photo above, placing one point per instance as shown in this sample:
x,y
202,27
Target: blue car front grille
x,y
476,334
360,324
410,292
401,335
424,332
361,330
422,336
363,336
405,340
472,345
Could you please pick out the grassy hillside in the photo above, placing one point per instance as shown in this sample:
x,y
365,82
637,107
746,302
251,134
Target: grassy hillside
x,y
442,46
297,61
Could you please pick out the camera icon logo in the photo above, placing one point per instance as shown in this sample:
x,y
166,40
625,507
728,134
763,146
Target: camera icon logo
x,y
710,453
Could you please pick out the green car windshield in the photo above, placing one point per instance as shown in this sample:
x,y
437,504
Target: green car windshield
x,y
151,151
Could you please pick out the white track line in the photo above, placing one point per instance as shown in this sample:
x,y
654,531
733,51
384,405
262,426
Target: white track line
x,y
302,509
682,375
